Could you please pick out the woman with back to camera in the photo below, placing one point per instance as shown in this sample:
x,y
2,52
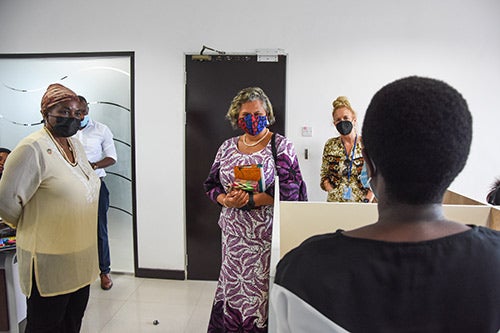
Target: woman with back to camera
x,y
246,219
342,159
413,270
50,194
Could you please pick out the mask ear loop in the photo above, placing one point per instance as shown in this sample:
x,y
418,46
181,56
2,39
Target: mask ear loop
x,y
45,120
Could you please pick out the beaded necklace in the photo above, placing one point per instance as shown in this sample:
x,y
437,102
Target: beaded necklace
x,y
61,149
256,142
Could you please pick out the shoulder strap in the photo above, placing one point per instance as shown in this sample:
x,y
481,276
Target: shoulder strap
x,y
273,147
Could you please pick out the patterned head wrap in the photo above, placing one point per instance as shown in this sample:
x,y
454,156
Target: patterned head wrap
x,y
56,93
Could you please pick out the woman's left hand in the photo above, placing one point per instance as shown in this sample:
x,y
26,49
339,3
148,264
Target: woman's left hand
x,y
236,198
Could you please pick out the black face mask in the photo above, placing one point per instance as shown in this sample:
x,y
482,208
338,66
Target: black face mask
x,y
65,127
344,127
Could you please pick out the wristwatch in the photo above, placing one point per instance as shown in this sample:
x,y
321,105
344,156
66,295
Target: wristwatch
x,y
250,204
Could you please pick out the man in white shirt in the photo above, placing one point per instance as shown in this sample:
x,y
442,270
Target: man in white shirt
x,y
97,140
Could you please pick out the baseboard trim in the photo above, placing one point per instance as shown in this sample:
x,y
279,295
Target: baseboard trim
x,y
160,274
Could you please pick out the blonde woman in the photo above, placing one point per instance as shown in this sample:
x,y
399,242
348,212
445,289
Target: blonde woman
x,y
342,159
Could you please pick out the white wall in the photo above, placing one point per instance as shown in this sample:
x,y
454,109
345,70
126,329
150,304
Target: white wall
x,y
334,48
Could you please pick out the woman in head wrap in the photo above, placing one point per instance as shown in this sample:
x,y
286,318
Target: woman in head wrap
x,y
342,160
50,194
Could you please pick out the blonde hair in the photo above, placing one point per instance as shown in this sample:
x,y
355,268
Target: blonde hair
x,y
248,95
342,102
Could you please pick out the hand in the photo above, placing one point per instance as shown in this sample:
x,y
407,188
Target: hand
x,y
236,199
370,196
328,187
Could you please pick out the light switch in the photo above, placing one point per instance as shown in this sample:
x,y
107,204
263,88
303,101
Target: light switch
x,y
307,131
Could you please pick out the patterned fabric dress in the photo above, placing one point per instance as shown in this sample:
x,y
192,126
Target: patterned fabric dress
x,y
335,168
241,298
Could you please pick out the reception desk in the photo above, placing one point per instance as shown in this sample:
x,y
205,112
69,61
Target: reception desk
x,y
15,301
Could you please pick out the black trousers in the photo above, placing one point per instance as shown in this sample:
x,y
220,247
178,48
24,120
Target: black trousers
x,y
56,314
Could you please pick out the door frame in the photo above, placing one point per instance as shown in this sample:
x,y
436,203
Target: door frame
x,y
96,55
265,80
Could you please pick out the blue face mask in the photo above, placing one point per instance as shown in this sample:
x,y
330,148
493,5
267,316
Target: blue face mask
x,y
84,121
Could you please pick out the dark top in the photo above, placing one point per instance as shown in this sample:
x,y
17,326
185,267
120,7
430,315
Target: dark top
x,y
450,284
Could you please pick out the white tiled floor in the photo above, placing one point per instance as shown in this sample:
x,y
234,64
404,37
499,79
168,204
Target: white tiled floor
x,y
134,303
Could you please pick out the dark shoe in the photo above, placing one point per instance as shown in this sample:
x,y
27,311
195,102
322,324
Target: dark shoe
x,y
106,282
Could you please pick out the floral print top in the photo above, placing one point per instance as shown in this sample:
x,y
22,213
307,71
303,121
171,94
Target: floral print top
x,y
335,169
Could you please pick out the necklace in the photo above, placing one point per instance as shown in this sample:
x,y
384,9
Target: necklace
x,y
256,142
61,149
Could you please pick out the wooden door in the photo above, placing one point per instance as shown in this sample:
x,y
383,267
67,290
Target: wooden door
x,y
210,88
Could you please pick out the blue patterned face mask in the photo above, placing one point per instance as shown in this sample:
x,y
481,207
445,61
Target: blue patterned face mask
x,y
84,121
252,124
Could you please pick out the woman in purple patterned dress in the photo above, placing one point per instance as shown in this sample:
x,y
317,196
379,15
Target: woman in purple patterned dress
x,y
246,219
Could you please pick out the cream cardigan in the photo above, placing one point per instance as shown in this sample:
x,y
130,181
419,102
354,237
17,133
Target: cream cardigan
x,y
53,205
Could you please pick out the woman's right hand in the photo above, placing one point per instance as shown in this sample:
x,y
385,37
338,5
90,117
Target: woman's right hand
x,y
327,186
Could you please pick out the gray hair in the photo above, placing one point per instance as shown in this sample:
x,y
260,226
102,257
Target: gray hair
x,y
249,94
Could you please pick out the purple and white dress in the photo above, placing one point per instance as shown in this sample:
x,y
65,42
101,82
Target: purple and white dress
x,y
241,298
